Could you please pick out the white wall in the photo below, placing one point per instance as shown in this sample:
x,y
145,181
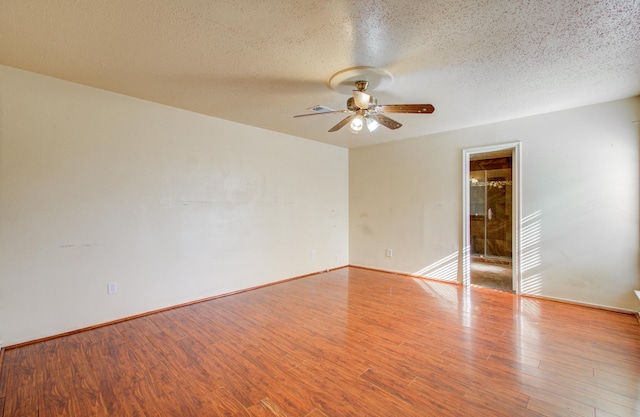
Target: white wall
x,y
174,206
580,190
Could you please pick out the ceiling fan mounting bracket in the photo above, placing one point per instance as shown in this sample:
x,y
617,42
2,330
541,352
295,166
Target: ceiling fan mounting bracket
x,y
362,85
375,79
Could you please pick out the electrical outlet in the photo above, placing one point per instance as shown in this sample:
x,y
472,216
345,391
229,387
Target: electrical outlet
x,y
313,253
112,288
389,253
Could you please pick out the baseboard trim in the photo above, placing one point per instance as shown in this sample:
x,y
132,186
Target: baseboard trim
x,y
394,272
579,303
160,310
406,274
556,299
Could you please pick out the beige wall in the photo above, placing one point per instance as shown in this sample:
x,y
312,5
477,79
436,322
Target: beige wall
x,y
580,202
173,206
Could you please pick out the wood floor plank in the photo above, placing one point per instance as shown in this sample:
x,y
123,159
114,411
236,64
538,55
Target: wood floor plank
x,y
557,404
341,392
552,410
624,381
348,342
267,408
600,413
4,371
3,376
316,413
444,398
613,399
57,395
23,382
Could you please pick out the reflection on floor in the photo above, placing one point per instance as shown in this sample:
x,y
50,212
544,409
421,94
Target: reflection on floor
x,y
488,274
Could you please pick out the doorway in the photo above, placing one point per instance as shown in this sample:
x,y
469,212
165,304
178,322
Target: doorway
x,y
491,217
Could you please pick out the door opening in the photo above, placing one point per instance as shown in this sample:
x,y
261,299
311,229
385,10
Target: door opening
x,y
491,218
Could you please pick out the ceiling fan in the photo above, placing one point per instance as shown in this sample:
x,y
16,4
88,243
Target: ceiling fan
x,y
367,112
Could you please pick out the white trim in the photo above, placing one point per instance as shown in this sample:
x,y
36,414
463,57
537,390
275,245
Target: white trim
x,y
465,253
581,304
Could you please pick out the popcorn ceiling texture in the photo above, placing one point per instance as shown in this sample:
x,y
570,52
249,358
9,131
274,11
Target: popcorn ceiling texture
x,y
259,63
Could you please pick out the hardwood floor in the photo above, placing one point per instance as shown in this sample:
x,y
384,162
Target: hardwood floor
x,y
348,342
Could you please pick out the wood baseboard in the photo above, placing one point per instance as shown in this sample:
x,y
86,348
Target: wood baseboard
x,y
147,313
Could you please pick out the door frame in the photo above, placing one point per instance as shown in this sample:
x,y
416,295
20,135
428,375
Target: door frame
x,y
465,260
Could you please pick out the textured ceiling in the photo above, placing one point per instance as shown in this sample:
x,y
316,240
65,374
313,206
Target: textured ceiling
x,y
261,62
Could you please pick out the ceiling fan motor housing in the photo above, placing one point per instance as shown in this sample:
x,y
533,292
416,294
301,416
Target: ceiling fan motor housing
x,y
351,103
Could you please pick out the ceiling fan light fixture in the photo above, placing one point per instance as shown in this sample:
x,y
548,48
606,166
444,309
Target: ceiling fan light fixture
x,y
372,124
357,124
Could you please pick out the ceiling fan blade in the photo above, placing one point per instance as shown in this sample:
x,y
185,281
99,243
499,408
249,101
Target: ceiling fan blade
x,y
361,99
322,112
385,121
342,123
321,109
405,108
